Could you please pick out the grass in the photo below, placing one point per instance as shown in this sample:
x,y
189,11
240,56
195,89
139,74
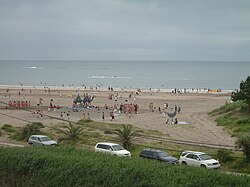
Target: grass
x,y
233,117
227,108
68,166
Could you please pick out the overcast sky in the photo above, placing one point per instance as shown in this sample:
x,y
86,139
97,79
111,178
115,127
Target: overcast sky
x,y
125,29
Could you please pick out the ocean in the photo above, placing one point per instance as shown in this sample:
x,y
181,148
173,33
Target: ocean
x,y
126,74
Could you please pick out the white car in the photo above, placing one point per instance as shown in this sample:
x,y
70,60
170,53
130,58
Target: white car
x,y
198,159
40,140
112,148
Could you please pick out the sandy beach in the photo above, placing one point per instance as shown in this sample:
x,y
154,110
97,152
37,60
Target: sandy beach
x,y
194,122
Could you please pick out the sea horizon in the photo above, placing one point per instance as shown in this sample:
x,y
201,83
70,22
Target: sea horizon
x,y
157,74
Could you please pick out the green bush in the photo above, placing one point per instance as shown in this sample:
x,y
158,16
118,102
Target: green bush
x,y
28,130
244,143
8,128
58,166
224,155
243,121
244,106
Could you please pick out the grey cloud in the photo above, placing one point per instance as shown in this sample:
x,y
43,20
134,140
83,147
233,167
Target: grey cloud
x,y
125,29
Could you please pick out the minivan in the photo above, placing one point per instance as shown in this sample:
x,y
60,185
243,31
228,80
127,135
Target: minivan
x,y
112,148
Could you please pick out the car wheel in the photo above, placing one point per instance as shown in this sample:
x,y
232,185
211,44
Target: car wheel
x,y
184,163
31,144
203,166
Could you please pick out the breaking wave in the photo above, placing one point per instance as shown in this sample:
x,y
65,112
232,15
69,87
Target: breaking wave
x,y
33,67
97,77
104,77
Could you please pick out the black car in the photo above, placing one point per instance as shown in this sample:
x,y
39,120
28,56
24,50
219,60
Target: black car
x,y
158,155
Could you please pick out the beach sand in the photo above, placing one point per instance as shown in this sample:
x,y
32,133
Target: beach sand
x,y
194,108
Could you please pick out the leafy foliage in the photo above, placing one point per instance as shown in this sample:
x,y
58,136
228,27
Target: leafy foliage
x,y
126,135
28,130
244,144
71,132
8,128
244,93
224,155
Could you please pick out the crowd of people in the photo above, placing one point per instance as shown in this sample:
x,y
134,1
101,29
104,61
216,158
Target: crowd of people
x,y
128,106
19,104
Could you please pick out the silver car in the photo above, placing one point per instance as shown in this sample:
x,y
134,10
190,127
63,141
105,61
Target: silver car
x,y
40,140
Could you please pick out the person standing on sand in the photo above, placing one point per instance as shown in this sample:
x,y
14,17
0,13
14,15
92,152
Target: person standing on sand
x,y
179,109
103,116
136,108
159,109
151,107
165,105
68,115
112,116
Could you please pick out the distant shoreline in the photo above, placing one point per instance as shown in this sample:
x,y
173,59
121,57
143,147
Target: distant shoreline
x,y
98,88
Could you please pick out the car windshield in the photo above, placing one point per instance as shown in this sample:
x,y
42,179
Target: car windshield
x,y
117,147
204,157
45,139
162,154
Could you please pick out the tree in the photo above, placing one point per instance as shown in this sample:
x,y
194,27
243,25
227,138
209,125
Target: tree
x,y
244,93
126,135
71,133
244,144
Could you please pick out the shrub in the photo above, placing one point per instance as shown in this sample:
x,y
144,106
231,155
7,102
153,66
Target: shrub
x,y
8,128
28,130
244,143
243,121
39,124
224,155
244,106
